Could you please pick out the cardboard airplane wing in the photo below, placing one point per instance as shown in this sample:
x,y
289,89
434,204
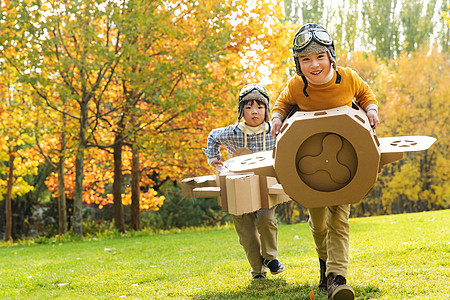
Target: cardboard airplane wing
x,y
261,163
405,143
393,148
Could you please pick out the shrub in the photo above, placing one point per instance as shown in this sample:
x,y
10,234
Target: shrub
x,y
179,212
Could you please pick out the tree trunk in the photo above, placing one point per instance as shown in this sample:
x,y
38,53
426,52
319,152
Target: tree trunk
x,y
78,191
8,199
117,185
62,214
62,228
79,169
289,212
135,190
302,213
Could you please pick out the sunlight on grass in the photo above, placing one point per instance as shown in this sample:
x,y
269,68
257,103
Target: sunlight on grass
x,y
392,257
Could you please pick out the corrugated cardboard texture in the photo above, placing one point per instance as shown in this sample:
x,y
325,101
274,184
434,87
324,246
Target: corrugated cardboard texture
x,y
206,192
222,183
243,193
248,193
188,184
387,158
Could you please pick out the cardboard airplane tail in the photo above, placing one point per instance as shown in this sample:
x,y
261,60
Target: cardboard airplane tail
x,y
237,193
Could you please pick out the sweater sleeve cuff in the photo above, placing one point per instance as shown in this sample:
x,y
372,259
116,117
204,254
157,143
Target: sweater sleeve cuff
x,y
372,106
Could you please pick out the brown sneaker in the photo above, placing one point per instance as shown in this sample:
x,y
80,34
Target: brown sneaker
x,y
338,289
323,278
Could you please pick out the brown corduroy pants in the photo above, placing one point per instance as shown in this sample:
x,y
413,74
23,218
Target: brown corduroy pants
x,y
258,234
331,232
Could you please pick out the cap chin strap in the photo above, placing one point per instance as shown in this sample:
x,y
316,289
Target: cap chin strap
x,y
305,85
338,78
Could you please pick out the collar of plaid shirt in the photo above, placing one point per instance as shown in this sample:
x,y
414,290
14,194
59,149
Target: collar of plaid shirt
x,y
258,129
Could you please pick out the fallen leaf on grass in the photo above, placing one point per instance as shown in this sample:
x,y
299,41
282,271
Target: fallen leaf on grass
x,y
63,284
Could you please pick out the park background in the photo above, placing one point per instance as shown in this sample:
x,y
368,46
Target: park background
x,y
105,105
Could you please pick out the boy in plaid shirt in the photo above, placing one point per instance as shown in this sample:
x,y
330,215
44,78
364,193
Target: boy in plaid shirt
x,y
257,231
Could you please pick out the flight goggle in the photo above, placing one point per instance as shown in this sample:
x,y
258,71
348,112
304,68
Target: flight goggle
x,y
303,39
251,87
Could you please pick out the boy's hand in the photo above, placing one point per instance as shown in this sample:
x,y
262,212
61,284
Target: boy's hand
x,y
372,115
216,164
276,126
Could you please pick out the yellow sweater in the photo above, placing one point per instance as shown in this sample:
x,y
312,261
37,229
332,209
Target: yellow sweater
x,y
325,96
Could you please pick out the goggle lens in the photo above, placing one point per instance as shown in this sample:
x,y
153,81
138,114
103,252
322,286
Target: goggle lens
x,y
251,87
323,37
303,38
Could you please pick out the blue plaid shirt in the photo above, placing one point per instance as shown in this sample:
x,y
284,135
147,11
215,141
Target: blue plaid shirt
x,y
232,138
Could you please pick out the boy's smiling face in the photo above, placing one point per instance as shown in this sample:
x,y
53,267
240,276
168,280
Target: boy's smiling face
x,y
315,67
254,113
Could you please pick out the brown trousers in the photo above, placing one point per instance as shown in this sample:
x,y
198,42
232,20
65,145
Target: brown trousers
x,y
331,232
258,234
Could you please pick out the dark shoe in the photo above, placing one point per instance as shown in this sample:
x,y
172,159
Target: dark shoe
x,y
323,278
274,265
259,276
338,289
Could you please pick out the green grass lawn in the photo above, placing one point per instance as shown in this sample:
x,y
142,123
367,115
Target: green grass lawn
x,y
392,257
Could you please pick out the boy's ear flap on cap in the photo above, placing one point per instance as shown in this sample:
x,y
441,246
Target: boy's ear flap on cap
x,y
332,60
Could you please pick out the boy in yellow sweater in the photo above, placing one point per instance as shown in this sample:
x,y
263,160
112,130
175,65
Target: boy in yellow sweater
x,y
320,84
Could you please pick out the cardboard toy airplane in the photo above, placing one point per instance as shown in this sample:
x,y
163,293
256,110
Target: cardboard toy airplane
x,y
321,158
